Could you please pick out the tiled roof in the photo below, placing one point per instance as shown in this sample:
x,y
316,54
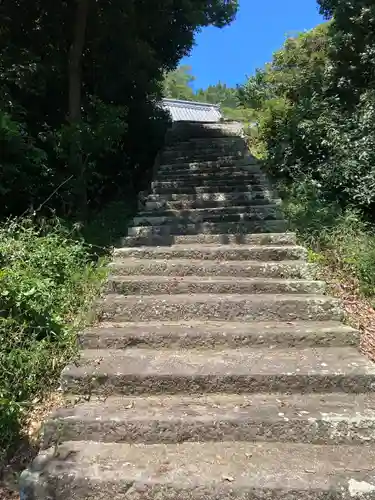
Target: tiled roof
x,y
192,111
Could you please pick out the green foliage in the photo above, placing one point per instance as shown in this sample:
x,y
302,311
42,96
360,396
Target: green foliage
x,y
23,164
48,281
351,49
218,94
315,130
177,84
306,132
335,237
102,157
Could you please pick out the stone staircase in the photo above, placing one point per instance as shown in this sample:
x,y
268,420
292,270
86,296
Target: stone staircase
x,y
219,369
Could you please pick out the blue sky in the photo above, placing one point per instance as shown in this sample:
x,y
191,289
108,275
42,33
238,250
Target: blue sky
x,y
232,53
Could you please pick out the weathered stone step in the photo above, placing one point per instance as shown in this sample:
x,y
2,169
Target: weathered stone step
x,y
229,165
202,157
137,371
232,197
208,204
244,227
82,470
207,170
206,200
257,209
187,130
215,252
226,144
215,334
199,179
170,154
182,151
186,267
213,307
199,142
222,187
218,174
296,418
209,471
209,239
196,216
236,183
153,285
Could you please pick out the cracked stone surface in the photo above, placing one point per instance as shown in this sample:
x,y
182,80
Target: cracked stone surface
x,y
308,418
211,334
230,307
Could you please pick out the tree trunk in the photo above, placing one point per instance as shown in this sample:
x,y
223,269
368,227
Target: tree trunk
x,y
75,104
75,61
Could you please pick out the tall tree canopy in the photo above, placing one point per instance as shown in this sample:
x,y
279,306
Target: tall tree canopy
x,y
352,41
178,84
88,74
316,106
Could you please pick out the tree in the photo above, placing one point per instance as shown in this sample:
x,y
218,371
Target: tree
x,y
352,56
219,94
109,70
316,108
177,84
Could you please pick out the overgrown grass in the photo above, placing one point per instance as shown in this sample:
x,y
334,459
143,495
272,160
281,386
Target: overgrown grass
x,y
48,281
336,237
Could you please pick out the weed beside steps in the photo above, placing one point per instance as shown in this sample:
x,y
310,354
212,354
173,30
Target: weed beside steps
x,y
48,280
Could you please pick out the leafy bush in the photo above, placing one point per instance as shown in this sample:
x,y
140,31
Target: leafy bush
x,y
338,238
23,165
48,281
315,108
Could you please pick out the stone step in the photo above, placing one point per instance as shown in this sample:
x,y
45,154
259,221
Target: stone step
x,y
202,157
170,153
83,470
257,210
154,285
215,334
199,142
255,201
214,307
296,418
187,130
183,217
178,151
231,197
200,182
244,227
186,267
209,239
169,188
226,143
198,214
137,371
229,165
215,252
210,168
199,178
